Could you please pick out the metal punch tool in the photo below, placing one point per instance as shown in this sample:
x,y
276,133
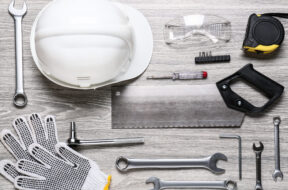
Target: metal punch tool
x,y
20,98
73,141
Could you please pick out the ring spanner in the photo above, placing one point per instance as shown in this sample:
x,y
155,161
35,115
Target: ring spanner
x,y
124,164
20,98
159,185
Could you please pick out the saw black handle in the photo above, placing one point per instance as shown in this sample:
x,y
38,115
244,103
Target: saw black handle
x,y
267,86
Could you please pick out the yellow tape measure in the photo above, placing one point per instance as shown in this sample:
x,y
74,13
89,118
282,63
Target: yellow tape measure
x,y
264,33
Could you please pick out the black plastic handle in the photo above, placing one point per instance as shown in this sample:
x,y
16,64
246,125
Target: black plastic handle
x,y
270,88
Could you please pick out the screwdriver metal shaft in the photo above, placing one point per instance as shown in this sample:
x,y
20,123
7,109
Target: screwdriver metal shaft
x,y
182,76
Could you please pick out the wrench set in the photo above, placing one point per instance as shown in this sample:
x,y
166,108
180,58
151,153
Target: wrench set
x,y
214,105
210,163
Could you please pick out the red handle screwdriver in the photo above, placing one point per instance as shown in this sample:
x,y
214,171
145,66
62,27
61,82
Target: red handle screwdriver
x,y
182,76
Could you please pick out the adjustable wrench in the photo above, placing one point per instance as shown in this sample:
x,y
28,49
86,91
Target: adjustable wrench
x,y
125,164
258,151
277,173
159,185
20,98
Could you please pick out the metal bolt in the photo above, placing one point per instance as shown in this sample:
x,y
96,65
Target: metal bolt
x,y
239,103
224,87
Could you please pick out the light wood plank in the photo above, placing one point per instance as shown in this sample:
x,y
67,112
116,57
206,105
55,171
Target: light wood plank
x,y
92,109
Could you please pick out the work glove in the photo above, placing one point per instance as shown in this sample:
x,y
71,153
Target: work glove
x,y
29,132
45,164
70,172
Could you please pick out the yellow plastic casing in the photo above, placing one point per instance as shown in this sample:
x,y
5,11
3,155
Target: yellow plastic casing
x,y
108,183
262,48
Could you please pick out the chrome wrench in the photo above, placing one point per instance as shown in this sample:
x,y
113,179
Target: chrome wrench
x,y
277,173
209,163
258,152
20,98
159,185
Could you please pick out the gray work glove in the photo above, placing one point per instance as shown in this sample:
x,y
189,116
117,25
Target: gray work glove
x,y
29,132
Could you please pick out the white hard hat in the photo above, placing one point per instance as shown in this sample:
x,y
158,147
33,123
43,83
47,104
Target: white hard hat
x,y
86,44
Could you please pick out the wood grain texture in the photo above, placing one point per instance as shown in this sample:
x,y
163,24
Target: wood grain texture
x,y
92,109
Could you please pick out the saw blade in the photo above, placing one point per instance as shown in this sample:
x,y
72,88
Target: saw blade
x,y
171,107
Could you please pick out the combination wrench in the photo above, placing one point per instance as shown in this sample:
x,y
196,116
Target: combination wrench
x,y
159,185
20,98
277,173
209,163
258,151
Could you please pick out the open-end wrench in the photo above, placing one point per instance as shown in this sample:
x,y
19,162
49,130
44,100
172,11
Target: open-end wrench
x,y
210,163
159,185
277,173
20,98
258,151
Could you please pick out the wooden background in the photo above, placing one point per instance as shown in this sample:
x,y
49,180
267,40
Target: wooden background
x,y
92,109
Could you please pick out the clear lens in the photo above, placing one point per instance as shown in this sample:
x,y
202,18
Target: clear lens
x,y
197,29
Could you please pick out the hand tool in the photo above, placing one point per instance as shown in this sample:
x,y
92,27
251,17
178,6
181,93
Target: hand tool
x,y
277,173
182,76
205,57
264,33
225,136
74,142
189,105
258,151
159,184
20,98
124,164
